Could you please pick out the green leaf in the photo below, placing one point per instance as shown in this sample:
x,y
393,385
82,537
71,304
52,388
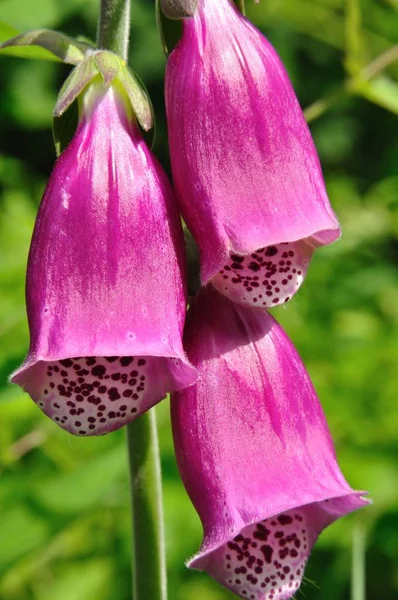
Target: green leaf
x,y
55,44
64,127
25,14
33,93
7,31
381,90
87,580
320,21
21,532
30,52
83,488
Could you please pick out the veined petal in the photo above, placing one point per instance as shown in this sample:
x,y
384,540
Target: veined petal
x,y
254,451
105,278
245,169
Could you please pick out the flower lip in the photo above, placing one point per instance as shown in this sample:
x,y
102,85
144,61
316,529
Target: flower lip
x,y
267,277
330,508
95,395
265,559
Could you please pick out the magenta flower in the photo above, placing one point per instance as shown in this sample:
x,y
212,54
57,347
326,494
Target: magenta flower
x,y
254,451
245,168
105,294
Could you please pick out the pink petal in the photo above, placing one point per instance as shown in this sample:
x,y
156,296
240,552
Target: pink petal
x,y
254,451
245,168
106,270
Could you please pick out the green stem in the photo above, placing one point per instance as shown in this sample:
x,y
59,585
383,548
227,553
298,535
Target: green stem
x,y
358,564
149,568
146,492
375,67
114,26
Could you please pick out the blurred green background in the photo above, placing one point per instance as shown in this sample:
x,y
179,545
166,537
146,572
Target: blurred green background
x,y
64,505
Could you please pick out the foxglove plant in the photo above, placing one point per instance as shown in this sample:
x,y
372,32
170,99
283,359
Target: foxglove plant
x,y
106,293
104,346
245,169
254,451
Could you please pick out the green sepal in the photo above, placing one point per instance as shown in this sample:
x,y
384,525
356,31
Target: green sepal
x,y
108,64
60,46
64,127
75,83
112,69
170,31
138,97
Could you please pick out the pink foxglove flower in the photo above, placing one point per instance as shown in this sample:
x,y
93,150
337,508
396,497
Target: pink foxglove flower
x,y
254,451
105,293
245,169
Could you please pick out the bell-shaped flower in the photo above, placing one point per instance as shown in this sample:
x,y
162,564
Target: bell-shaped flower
x,y
245,169
254,451
105,293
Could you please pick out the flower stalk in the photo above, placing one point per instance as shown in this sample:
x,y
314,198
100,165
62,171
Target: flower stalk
x,y
114,26
149,568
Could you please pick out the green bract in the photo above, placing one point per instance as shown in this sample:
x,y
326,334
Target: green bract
x,y
113,70
66,49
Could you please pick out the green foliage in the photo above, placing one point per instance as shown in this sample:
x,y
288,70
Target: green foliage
x,y
65,526
55,45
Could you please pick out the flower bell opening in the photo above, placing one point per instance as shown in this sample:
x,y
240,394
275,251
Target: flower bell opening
x,y
96,395
268,277
266,560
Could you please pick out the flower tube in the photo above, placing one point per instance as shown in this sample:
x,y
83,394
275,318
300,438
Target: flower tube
x,y
245,169
105,293
254,451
